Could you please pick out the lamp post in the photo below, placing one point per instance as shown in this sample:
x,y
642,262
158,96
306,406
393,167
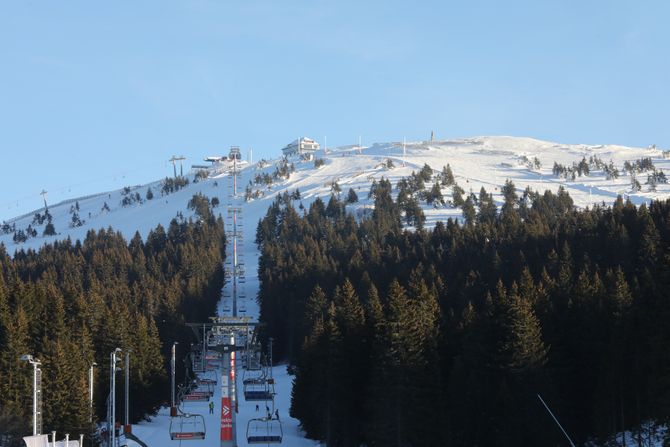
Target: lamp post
x,y
173,364
112,397
126,407
36,363
90,390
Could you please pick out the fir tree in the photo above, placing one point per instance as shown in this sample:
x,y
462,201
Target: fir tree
x,y
352,197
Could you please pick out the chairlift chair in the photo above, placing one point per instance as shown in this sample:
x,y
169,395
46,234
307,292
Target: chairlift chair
x,y
258,391
264,431
205,387
187,427
253,376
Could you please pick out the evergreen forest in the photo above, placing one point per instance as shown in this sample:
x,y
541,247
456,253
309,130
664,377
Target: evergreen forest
x,y
447,336
72,303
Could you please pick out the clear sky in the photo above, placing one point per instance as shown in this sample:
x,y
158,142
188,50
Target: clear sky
x,y
99,95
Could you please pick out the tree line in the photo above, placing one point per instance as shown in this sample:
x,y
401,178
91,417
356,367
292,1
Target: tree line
x,y
70,304
447,336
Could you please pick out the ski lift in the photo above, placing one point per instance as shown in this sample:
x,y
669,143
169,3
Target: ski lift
x,y
264,431
258,391
205,387
253,376
235,153
187,427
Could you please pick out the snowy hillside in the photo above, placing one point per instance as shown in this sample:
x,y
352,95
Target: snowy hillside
x,y
476,162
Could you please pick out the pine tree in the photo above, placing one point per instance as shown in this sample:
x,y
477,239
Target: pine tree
x,y
447,176
457,195
487,207
522,349
352,197
434,196
469,212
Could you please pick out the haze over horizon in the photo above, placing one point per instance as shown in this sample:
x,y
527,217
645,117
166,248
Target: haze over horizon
x,y
97,97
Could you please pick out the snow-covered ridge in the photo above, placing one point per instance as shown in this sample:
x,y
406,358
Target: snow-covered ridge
x,y
475,162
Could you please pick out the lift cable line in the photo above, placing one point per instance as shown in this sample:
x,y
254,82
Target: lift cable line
x,y
556,420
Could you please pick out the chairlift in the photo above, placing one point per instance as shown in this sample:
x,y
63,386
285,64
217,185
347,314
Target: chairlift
x,y
264,431
258,391
187,427
253,376
205,387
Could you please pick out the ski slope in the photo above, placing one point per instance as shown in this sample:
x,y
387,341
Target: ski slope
x,y
475,162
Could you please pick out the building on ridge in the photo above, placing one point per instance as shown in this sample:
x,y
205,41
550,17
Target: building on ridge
x,y
302,146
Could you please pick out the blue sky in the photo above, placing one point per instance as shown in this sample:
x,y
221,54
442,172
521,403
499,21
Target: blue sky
x,y
99,95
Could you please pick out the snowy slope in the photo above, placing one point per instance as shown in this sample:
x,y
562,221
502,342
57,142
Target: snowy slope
x,y
476,162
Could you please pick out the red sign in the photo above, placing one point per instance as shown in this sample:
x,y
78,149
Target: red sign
x,y
196,395
226,420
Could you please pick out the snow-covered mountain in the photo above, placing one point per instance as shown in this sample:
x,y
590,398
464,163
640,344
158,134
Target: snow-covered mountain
x,y
476,162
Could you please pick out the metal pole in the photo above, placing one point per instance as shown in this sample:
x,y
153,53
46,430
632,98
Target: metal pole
x,y
172,366
127,386
110,422
270,356
34,398
204,349
233,384
113,399
556,420
235,176
90,391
